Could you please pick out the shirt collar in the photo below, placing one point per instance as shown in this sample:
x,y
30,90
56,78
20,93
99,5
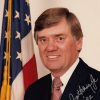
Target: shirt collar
x,y
65,77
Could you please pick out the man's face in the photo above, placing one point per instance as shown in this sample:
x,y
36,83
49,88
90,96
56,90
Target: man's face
x,y
58,48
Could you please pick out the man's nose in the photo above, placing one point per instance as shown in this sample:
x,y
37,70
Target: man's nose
x,y
51,46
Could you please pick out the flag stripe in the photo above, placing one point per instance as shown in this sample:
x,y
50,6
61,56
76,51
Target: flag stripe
x,y
27,46
17,90
30,72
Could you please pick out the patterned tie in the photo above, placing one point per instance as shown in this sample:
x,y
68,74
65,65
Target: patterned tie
x,y
56,93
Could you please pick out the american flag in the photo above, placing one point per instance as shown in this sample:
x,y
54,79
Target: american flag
x,y
17,59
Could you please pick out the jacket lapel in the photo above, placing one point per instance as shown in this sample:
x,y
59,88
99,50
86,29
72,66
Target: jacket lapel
x,y
47,88
80,85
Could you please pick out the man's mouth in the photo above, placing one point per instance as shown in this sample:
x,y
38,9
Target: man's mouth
x,y
53,57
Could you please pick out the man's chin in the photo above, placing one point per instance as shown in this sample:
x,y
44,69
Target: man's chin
x,y
53,67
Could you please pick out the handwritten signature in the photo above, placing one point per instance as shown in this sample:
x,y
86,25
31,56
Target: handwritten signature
x,y
82,89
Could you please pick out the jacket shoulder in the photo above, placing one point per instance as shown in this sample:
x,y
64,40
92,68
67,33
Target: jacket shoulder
x,y
41,82
87,68
40,87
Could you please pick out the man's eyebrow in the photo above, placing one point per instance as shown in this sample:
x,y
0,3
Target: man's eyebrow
x,y
41,37
60,34
54,35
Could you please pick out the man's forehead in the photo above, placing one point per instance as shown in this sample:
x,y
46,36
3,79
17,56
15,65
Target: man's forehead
x,y
61,28
51,35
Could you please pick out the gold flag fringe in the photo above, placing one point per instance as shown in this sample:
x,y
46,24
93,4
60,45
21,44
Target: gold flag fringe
x,y
5,93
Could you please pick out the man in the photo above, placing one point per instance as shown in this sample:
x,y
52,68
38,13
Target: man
x,y
59,37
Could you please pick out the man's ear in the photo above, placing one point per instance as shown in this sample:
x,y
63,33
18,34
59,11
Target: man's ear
x,y
79,44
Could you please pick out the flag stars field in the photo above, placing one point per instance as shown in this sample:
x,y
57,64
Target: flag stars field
x,y
6,15
17,35
17,14
6,55
27,19
19,56
6,35
27,1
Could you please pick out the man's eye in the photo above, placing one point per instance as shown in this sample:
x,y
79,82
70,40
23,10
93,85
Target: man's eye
x,y
60,38
43,40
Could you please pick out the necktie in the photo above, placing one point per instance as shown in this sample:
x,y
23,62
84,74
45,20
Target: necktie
x,y
56,93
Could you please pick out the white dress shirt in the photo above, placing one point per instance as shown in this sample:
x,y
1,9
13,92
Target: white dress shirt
x,y
65,78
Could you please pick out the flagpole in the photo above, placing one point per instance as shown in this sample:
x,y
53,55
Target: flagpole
x,y
6,89
9,48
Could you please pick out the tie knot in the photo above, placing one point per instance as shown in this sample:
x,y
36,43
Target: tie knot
x,y
57,83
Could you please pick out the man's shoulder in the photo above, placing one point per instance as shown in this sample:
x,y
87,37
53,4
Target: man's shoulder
x,y
43,81
84,72
84,66
37,90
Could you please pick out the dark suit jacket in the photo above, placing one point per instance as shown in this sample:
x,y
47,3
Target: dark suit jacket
x,y
84,84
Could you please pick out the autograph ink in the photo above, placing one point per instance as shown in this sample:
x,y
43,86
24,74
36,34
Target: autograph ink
x,y
82,89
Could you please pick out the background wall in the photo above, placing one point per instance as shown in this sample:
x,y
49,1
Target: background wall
x,y
1,13
88,13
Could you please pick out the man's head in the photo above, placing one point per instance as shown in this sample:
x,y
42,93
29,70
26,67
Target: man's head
x,y
53,16
59,37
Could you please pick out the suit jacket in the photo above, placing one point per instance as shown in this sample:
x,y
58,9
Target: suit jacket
x,y
84,84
